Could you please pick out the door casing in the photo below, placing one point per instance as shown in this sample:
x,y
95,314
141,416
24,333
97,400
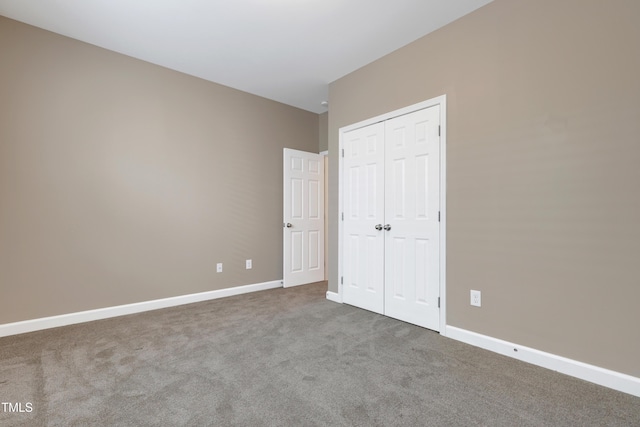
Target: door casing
x,y
442,102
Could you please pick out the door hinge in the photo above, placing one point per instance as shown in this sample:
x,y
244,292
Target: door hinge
x,y
439,129
438,216
343,152
341,280
438,302
343,216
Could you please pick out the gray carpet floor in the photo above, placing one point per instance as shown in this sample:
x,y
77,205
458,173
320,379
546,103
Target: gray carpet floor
x,y
283,357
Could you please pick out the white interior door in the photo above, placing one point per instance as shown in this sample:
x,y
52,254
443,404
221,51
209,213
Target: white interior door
x,y
303,225
391,230
412,203
363,265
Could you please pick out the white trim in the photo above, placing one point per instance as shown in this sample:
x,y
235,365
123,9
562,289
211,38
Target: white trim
x,y
442,102
334,296
439,100
604,377
122,310
341,132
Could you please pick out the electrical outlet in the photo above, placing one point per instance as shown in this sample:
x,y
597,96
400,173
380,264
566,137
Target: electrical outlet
x,y
219,267
476,298
248,264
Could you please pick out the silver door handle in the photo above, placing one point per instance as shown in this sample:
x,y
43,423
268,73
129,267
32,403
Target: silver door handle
x,y
379,227
288,225
387,227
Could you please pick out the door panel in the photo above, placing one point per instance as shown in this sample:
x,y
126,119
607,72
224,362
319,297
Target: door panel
x,y
303,257
411,209
314,244
363,268
395,267
296,251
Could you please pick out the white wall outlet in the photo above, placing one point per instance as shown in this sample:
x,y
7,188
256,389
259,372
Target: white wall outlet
x,y
219,267
248,264
476,298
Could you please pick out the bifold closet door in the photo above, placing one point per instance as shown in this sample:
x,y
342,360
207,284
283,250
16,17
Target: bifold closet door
x,y
412,246
391,260
363,244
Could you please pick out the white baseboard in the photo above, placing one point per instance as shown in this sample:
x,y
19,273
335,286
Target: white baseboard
x,y
605,377
121,310
333,296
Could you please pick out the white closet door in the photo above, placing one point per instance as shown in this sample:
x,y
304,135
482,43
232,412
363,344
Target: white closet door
x,y
412,276
363,192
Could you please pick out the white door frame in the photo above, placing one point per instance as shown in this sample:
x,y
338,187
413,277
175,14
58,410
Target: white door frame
x,y
442,102
325,153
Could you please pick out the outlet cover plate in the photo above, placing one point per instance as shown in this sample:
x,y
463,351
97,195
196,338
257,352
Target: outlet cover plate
x,y
219,267
476,298
248,264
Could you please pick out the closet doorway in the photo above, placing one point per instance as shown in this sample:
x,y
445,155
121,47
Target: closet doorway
x,y
391,214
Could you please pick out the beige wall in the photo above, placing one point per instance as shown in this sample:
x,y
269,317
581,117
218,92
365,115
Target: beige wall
x,y
543,169
323,129
121,181
323,145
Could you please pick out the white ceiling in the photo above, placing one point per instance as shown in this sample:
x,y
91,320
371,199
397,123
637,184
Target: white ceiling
x,y
285,50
